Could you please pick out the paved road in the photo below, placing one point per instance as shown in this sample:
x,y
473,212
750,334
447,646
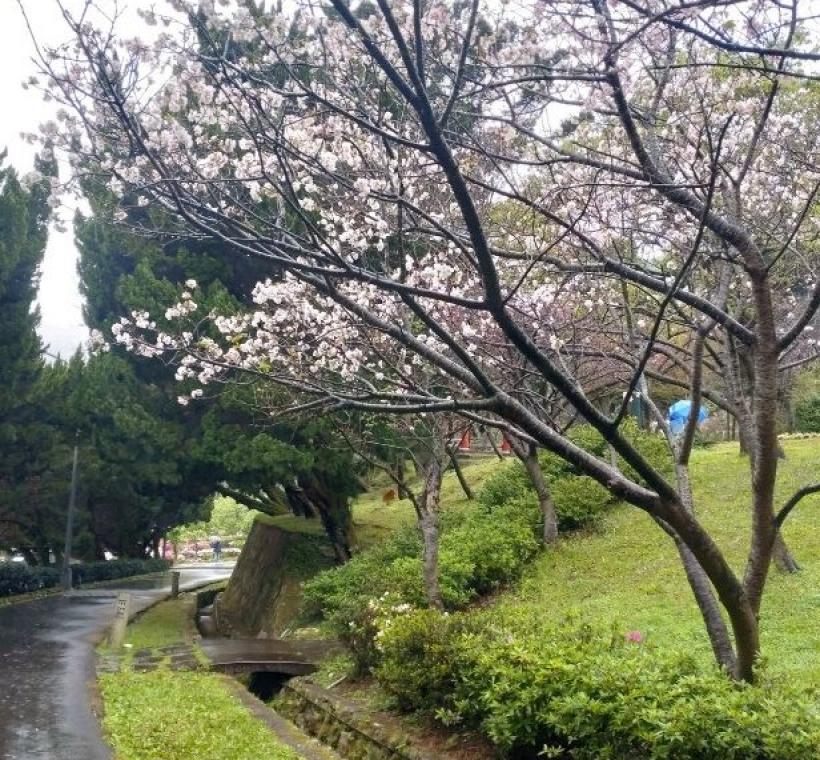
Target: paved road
x,y
47,667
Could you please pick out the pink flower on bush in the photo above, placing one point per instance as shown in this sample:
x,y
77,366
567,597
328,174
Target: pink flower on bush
x,y
635,637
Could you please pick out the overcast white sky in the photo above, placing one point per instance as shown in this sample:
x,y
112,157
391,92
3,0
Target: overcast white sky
x,y
62,325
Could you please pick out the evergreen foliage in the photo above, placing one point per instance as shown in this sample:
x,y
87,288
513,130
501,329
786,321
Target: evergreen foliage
x,y
807,415
24,214
225,443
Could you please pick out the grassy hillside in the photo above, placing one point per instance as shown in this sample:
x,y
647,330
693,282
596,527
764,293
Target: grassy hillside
x,y
628,573
373,517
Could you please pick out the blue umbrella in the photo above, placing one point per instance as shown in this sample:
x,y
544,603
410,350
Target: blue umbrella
x,y
679,413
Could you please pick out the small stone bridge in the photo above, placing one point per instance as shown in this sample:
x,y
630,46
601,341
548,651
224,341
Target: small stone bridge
x,y
288,657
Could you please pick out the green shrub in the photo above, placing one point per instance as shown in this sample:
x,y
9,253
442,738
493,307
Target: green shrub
x,y
652,446
361,631
342,590
589,439
574,691
93,572
487,549
509,481
20,579
479,550
17,578
579,501
419,653
807,415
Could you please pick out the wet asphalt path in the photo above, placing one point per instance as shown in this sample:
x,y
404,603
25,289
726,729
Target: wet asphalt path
x,y
47,667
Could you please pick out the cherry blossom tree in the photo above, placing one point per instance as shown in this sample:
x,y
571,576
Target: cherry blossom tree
x,y
373,155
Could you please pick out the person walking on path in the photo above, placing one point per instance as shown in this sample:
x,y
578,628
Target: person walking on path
x,y
216,545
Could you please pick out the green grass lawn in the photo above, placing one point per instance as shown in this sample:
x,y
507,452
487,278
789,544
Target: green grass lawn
x,y
181,716
167,715
166,623
629,574
373,517
292,524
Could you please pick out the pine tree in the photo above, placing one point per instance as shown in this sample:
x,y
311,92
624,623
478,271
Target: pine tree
x,y
24,216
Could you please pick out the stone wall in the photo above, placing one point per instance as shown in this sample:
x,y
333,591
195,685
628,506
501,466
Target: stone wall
x,y
257,584
340,725
264,592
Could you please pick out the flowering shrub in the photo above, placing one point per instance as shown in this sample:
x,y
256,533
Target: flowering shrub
x,y
337,593
419,658
363,632
479,550
575,691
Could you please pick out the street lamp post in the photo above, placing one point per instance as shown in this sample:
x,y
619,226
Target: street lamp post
x,y
69,523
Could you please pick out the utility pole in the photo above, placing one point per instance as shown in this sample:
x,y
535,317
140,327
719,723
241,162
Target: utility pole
x,y
69,523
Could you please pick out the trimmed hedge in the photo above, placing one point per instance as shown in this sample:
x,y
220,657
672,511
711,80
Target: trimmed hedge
x,y
575,691
17,578
93,572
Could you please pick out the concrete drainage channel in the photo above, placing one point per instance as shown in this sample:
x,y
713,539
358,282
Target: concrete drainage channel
x,y
272,679
340,724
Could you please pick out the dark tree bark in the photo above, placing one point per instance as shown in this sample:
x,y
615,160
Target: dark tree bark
x,y
465,486
333,511
783,558
701,587
401,473
493,445
428,509
528,454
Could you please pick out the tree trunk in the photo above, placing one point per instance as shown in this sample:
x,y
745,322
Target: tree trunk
x,y
492,445
781,554
743,439
699,582
730,590
764,454
783,558
428,522
528,455
465,486
401,472
334,512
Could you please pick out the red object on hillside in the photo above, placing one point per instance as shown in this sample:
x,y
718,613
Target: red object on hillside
x,y
505,446
465,444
